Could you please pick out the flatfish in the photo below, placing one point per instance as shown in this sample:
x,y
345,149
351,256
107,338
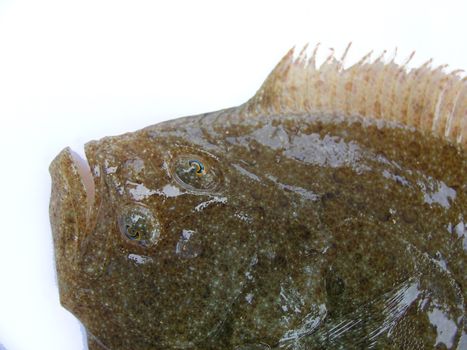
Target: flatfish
x,y
327,212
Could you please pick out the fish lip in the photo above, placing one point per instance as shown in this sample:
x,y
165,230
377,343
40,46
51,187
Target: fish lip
x,y
87,179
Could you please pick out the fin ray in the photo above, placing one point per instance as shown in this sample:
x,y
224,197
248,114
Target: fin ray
x,y
426,98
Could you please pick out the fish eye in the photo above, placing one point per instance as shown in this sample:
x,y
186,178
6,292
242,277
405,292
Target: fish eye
x,y
196,173
197,167
138,224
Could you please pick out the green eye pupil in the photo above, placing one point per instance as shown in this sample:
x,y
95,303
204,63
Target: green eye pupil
x,y
136,230
133,232
197,167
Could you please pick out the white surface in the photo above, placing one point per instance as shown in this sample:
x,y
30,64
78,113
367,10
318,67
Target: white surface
x,y
75,71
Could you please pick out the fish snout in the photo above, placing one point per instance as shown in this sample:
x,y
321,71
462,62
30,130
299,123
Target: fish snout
x,y
70,203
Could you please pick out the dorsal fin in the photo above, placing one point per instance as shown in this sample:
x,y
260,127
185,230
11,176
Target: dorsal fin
x,y
426,98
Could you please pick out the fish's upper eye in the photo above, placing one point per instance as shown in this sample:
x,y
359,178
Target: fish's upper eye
x,y
197,167
139,225
196,173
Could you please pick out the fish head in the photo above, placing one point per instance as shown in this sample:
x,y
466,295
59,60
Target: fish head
x,y
173,246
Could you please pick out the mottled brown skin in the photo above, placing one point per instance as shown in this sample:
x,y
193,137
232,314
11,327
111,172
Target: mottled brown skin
x,y
316,222
284,223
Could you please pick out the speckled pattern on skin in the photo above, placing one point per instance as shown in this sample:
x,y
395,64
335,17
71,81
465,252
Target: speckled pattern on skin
x,y
328,212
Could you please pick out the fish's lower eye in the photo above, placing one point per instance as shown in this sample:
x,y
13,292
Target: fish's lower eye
x,y
138,224
196,174
133,232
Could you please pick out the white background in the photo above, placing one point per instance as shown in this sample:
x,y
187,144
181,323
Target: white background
x,y
75,71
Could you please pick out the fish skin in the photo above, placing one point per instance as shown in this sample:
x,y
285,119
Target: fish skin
x,y
317,224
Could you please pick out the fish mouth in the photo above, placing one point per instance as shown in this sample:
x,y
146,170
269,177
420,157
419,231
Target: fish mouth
x,y
84,171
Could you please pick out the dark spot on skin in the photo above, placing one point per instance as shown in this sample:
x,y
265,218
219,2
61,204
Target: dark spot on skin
x,y
223,267
356,204
383,214
364,282
302,232
318,127
258,213
207,292
261,266
342,175
409,216
70,219
328,196
284,202
206,252
280,261
335,286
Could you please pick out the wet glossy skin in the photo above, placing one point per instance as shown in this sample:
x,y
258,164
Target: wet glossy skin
x,y
294,232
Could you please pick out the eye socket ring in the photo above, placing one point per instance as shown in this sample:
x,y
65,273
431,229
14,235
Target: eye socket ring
x,y
137,224
199,174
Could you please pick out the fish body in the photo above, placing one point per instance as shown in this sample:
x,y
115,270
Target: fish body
x,y
321,214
